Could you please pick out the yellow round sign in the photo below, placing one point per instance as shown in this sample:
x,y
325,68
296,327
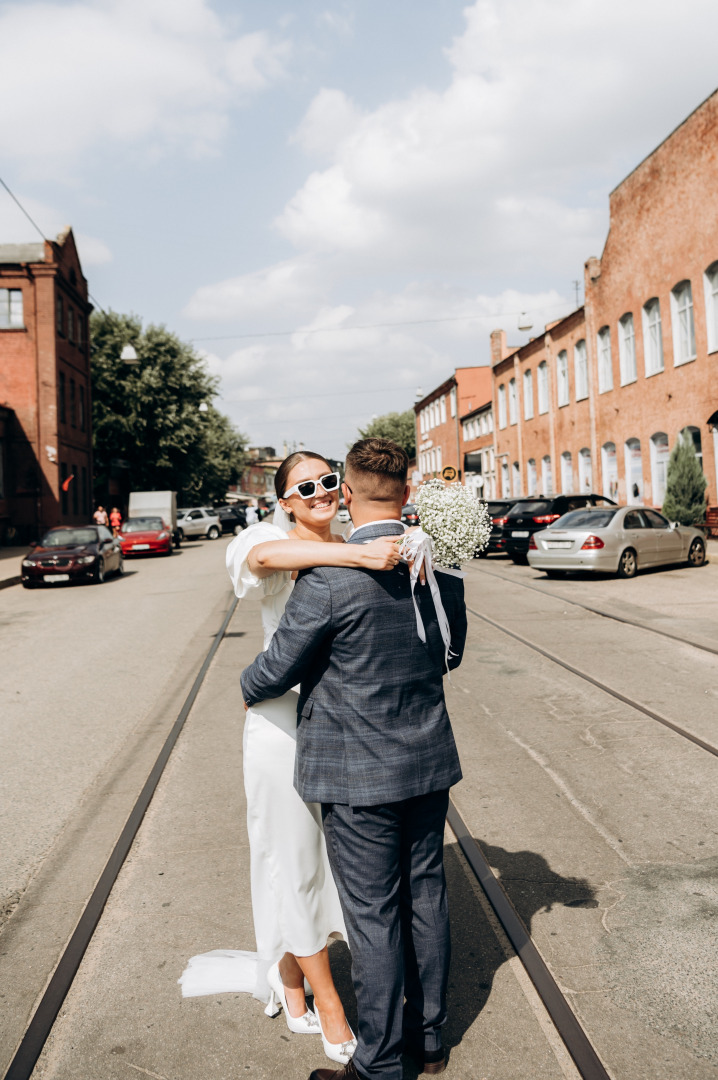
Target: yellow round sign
x,y
449,472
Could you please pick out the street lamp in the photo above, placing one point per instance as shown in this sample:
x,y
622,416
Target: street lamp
x,y
525,322
129,355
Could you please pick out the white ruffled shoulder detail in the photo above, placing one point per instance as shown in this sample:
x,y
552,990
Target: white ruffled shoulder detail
x,y
238,551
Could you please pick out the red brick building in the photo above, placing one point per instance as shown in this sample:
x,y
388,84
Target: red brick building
x,y
45,400
598,400
439,439
477,441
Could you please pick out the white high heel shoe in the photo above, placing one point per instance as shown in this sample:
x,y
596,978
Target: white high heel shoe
x,y
341,1052
308,1024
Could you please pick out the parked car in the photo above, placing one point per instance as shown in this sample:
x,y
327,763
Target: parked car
x,y
197,521
343,514
409,515
232,519
499,513
72,553
162,504
619,540
145,536
530,515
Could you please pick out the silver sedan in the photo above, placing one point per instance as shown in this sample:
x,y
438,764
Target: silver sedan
x,y
618,540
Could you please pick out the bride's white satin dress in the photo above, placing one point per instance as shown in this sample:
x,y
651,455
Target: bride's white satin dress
x,y
295,904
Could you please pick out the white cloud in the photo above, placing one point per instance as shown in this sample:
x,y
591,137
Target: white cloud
x,y
16,229
160,73
288,287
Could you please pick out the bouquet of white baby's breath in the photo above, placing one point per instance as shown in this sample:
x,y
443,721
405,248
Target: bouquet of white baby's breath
x,y
458,524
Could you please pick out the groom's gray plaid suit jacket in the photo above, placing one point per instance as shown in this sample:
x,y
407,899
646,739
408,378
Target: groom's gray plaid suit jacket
x,y
373,726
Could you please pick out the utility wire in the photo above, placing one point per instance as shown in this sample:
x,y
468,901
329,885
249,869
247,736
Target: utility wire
x,y
371,326
295,397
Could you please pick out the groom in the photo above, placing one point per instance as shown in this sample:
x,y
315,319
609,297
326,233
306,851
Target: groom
x,y
375,748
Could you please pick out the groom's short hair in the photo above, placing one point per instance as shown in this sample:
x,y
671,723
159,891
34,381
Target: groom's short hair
x,y
378,468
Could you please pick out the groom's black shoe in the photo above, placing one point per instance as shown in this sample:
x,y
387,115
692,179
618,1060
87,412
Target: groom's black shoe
x,y
430,1062
347,1072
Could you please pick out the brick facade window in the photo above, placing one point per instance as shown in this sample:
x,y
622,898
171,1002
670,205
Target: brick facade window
x,y
73,404
684,334
609,468
516,479
605,361
513,403
502,406
442,408
566,473
546,475
531,476
562,378
634,472
652,337
528,395
542,378
11,311
70,324
60,318
660,452
585,470
452,401
61,413
710,283
627,348
505,482
82,416
580,366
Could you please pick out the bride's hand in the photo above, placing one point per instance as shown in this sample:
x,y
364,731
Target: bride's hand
x,y
382,553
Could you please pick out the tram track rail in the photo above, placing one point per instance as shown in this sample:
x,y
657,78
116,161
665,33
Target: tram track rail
x,y
704,647
48,1007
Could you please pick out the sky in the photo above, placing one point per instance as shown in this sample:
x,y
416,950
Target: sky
x,y
337,201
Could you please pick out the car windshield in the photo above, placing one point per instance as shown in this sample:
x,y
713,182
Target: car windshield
x,y
541,506
409,508
67,537
585,519
146,524
495,508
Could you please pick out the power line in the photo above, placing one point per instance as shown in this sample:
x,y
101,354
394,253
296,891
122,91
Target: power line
x,y
23,210
302,396
370,326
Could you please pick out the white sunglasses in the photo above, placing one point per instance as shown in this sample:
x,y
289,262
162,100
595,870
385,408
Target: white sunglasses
x,y
307,489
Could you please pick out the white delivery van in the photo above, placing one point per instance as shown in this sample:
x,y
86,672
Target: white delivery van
x,y
156,504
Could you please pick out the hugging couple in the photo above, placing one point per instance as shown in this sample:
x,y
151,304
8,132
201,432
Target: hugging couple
x,y
348,761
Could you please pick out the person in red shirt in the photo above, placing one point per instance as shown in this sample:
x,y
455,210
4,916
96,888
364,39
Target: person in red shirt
x,y
115,520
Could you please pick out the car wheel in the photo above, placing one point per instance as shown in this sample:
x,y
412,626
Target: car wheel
x,y
180,538
520,560
99,576
697,553
627,564
213,533
238,529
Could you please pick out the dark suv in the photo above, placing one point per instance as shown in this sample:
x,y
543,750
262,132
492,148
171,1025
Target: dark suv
x,y
530,515
499,513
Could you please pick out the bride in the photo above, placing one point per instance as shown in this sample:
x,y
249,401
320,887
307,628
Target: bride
x,y
295,905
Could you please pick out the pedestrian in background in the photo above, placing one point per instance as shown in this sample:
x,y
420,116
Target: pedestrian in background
x,y
115,520
100,516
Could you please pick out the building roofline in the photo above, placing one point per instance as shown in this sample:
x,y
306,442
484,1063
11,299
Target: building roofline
x,y
446,385
474,412
663,141
536,341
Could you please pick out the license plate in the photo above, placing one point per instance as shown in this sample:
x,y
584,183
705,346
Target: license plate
x,y
140,547
521,535
57,577
559,543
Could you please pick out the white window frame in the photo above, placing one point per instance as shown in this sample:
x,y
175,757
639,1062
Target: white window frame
x,y
652,337
627,348
442,408
580,369
610,475
605,360
528,395
505,481
566,473
710,289
562,389
438,459
531,477
12,315
513,403
490,421
543,393
684,330
501,394
585,470
631,474
546,475
516,480
659,466
452,402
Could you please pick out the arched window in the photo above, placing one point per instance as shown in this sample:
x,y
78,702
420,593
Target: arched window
x,y
542,373
710,285
609,468
684,334
516,479
505,483
693,434
580,364
546,475
531,476
513,403
502,406
528,395
585,470
562,378
634,472
566,473
659,466
605,362
652,337
627,348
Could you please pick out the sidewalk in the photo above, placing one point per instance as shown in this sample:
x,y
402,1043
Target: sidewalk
x,y
10,559
185,889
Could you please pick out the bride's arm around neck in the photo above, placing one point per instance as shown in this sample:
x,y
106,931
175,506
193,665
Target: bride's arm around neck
x,y
296,554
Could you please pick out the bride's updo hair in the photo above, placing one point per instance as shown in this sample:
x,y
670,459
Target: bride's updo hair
x,y
282,473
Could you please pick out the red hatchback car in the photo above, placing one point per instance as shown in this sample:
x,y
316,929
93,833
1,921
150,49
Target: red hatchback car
x,y
145,536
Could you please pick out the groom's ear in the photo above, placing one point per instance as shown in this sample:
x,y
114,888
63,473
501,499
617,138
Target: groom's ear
x,y
346,492
407,495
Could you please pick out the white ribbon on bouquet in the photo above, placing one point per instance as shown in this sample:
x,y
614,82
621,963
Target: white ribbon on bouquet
x,y
417,550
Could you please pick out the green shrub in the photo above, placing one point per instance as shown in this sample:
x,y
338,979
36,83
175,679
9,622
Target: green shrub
x,y
685,498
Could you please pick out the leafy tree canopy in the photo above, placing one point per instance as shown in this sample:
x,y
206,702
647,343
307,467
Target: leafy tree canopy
x,y
148,414
685,498
400,427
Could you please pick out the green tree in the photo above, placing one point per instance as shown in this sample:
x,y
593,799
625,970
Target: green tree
x,y
148,414
400,427
685,499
